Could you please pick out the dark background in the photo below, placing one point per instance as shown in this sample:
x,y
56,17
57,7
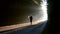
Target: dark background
x,y
14,11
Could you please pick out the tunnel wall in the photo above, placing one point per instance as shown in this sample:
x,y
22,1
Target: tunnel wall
x,y
16,11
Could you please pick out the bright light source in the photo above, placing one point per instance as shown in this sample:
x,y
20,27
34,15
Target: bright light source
x,y
44,10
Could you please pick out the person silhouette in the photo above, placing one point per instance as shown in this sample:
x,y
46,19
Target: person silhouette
x,y
31,19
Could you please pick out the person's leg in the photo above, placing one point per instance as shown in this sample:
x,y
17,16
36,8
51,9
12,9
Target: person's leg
x,y
31,22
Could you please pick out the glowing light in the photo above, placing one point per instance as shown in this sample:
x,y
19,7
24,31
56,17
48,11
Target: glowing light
x,y
44,9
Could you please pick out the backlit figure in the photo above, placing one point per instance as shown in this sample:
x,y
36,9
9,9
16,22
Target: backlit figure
x,y
30,18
